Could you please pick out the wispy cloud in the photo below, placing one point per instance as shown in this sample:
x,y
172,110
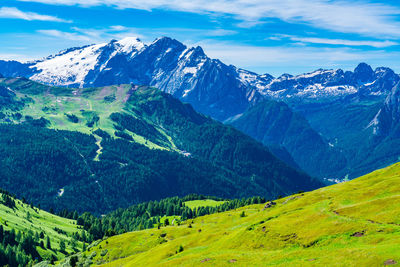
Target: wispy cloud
x,y
217,32
17,57
275,60
92,35
362,17
328,41
65,35
269,59
15,13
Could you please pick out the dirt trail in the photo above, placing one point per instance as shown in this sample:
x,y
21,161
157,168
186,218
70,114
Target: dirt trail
x,y
98,151
361,220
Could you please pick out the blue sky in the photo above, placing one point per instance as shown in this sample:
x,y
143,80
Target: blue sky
x,y
265,36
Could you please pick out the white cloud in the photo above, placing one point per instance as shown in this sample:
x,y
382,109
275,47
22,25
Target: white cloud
x,y
91,35
17,57
15,13
276,60
315,40
273,59
361,17
118,28
217,32
65,35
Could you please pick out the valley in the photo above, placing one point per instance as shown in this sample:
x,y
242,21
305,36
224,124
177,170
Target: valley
x,y
355,223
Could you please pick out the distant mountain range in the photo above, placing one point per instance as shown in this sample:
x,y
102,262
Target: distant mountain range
x,y
212,87
332,123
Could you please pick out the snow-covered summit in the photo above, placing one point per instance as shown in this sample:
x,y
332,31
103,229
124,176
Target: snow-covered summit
x,y
331,83
211,86
130,44
70,67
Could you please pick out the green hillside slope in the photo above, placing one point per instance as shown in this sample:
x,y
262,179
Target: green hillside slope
x,y
29,234
98,149
356,223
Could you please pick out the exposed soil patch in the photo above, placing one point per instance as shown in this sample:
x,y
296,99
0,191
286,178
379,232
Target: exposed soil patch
x,y
269,205
358,234
206,259
232,260
390,262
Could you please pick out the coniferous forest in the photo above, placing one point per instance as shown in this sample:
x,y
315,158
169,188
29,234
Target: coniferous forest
x,y
152,148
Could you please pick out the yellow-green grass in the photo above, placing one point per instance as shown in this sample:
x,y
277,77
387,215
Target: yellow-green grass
x,y
192,204
311,229
39,221
57,106
52,103
171,219
83,103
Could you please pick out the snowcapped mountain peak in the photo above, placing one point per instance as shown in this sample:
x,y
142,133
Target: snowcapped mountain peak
x,y
285,76
329,83
166,42
211,86
314,73
68,67
267,76
160,39
129,44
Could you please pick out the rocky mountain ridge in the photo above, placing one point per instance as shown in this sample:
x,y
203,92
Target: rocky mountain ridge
x,y
341,111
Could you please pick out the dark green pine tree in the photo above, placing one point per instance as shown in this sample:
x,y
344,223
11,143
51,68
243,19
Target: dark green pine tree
x,y
48,243
62,246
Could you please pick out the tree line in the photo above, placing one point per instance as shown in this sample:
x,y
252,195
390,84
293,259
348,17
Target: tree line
x,y
149,215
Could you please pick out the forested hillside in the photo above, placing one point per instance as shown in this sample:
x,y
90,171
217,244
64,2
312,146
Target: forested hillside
x,y
273,123
29,235
98,149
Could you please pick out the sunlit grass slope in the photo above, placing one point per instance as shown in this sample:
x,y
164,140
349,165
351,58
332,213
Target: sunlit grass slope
x,y
356,223
192,204
24,218
91,107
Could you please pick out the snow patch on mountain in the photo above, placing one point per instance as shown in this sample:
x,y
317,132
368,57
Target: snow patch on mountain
x,y
253,80
318,90
374,123
313,74
212,87
70,67
130,44
331,83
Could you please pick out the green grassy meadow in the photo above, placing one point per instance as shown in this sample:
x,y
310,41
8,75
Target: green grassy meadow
x,y
24,218
356,223
91,106
192,204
